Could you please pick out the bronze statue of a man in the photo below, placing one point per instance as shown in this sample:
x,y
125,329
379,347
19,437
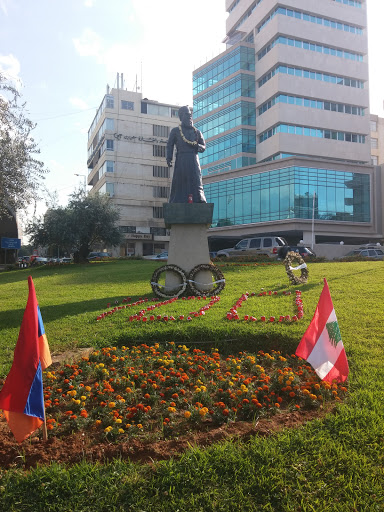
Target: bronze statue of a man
x,y
187,185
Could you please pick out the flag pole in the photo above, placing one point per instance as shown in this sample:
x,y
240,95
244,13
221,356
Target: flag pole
x,y
45,431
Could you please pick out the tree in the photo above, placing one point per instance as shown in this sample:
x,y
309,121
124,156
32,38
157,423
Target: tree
x,y
84,223
20,172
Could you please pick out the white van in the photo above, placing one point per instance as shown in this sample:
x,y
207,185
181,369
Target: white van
x,y
266,245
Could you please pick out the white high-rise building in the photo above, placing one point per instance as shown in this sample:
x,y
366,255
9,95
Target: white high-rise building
x,y
126,159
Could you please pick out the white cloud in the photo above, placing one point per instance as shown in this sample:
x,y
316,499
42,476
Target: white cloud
x,y
10,66
3,6
88,3
79,103
89,44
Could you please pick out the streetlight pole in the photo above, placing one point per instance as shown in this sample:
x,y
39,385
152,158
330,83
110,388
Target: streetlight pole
x,y
85,181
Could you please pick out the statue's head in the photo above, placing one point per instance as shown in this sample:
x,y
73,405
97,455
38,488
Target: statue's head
x,y
185,115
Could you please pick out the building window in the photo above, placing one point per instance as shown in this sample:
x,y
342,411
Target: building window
x,y
161,192
127,105
374,143
109,144
160,131
374,160
107,188
109,101
174,112
157,212
108,166
312,132
158,231
373,126
127,229
160,171
159,151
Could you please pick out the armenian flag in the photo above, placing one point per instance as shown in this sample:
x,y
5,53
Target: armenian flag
x,y
322,345
22,397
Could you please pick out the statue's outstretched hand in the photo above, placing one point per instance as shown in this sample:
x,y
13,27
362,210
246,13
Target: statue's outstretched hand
x,y
169,162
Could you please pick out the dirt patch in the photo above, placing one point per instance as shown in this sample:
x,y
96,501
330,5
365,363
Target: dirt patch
x,y
85,446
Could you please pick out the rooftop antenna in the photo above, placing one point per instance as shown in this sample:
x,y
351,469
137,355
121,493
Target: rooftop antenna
x,y
118,81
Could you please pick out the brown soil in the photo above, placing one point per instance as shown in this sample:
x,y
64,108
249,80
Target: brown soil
x,y
84,446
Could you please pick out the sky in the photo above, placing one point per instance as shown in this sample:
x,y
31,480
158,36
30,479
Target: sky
x,y
62,55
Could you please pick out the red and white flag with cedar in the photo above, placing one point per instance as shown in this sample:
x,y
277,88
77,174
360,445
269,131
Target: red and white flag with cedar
x,y
321,345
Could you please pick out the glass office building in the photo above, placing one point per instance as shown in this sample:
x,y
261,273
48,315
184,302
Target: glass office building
x,y
291,193
285,115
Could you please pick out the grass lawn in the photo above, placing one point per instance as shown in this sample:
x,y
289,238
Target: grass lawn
x,y
332,464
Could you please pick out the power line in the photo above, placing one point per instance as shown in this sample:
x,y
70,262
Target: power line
x,y
65,115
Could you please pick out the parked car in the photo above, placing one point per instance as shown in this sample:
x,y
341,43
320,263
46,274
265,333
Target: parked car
x,y
39,261
92,256
163,256
66,260
305,252
265,245
376,254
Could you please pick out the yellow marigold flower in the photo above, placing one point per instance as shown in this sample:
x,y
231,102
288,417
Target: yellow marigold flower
x,y
171,409
317,386
128,390
118,420
100,365
187,415
197,390
230,383
203,388
77,402
83,398
107,429
88,388
111,405
203,411
128,425
73,392
121,431
139,425
98,422
313,396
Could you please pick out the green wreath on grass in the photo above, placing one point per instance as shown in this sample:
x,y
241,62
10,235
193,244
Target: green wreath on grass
x,y
168,292
218,283
295,257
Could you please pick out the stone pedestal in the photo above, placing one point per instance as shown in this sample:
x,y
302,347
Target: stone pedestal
x,y
188,245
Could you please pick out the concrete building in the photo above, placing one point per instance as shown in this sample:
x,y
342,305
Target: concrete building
x,y
285,113
377,140
126,159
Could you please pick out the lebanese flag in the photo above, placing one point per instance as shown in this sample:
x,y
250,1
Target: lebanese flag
x,y
321,344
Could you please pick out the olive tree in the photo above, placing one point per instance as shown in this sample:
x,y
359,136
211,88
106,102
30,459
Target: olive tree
x,y
20,171
87,221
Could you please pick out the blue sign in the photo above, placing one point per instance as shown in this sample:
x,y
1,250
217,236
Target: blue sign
x,y
10,243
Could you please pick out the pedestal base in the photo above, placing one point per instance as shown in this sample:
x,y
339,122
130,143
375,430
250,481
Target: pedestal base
x,y
188,245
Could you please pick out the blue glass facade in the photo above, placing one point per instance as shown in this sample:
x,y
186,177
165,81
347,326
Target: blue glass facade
x,y
240,85
287,193
241,113
240,58
240,141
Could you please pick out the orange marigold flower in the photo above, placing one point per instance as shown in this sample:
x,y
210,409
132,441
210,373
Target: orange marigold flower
x,y
187,415
292,394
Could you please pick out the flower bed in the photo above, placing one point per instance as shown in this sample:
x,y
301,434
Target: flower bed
x,y
162,390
